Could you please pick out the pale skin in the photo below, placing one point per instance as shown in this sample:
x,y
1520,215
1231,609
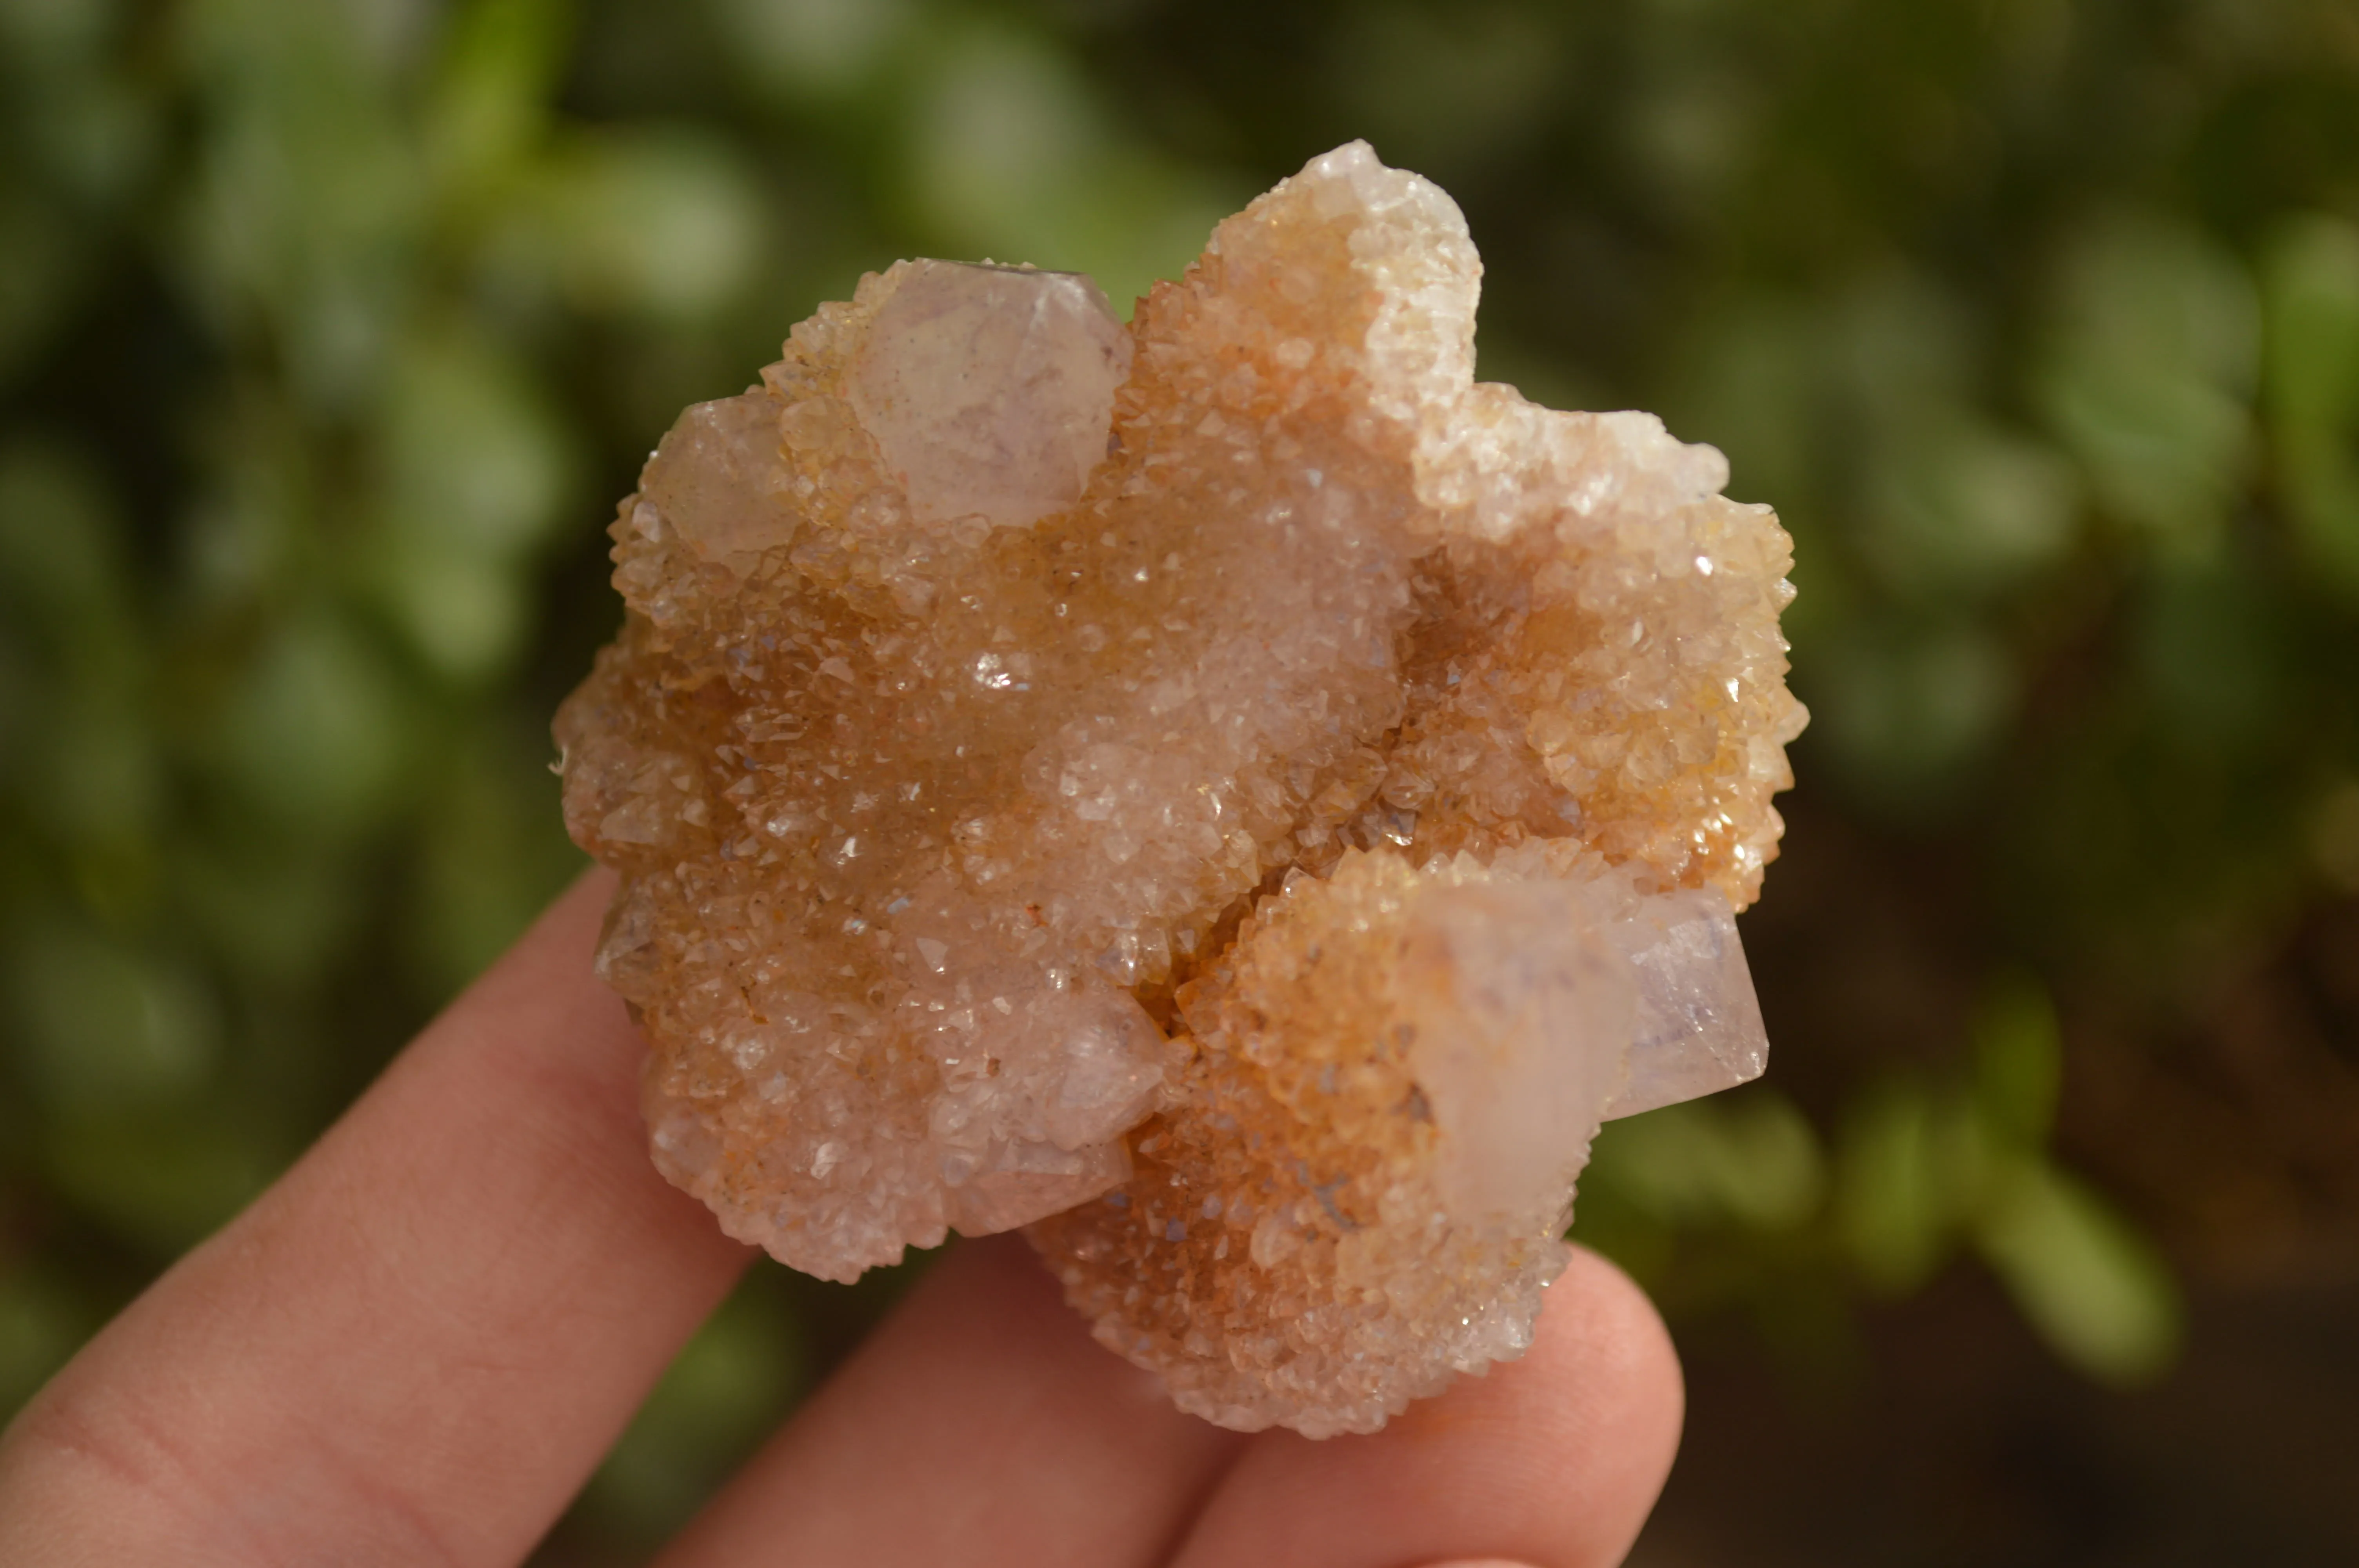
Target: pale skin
x,y
418,1345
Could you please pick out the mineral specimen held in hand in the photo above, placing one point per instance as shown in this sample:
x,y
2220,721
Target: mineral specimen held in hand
x,y
1231,793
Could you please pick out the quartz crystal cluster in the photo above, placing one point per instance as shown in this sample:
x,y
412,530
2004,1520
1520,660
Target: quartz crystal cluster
x,y
1230,792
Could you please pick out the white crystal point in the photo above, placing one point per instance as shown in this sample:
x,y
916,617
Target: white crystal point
x,y
1699,1027
1521,1009
989,390
1029,1180
1035,1100
717,482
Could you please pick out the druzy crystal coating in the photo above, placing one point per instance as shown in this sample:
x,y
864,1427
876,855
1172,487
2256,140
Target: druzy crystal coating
x,y
1230,792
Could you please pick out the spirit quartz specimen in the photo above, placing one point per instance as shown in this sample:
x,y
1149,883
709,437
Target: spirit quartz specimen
x,y
1231,793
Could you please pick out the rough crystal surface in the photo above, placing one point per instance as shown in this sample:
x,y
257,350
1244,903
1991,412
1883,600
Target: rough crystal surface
x,y
1231,793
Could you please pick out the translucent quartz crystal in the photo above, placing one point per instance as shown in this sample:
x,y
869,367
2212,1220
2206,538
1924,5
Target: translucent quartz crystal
x,y
1230,792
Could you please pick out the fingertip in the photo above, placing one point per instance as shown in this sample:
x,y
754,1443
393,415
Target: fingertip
x,y
980,1423
420,1340
1621,1340
1554,1460
1603,1360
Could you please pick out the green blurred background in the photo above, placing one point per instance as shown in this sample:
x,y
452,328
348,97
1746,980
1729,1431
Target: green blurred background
x,y
330,330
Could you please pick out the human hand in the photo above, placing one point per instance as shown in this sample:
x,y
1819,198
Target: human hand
x,y
418,1344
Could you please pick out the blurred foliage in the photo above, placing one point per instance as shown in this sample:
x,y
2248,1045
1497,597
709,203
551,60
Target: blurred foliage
x,y
1922,1167
329,329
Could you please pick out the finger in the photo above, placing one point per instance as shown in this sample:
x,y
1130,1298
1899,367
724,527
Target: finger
x,y
1553,1460
980,1425
418,1343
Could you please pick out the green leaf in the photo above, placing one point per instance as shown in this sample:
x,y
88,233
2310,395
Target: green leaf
x,y
475,465
2149,361
43,35
1753,1161
2213,644
1013,156
2310,294
499,75
38,274
1896,1190
1438,92
103,1024
663,221
62,564
466,614
40,1326
1960,507
494,852
2309,282
164,1183
2018,1060
302,227
2094,1289
272,908
813,49
93,775
318,733
475,459
1658,1163
1911,705
1754,383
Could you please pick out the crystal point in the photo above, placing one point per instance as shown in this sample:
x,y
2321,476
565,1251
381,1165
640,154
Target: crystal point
x,y
988,390
1229,794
